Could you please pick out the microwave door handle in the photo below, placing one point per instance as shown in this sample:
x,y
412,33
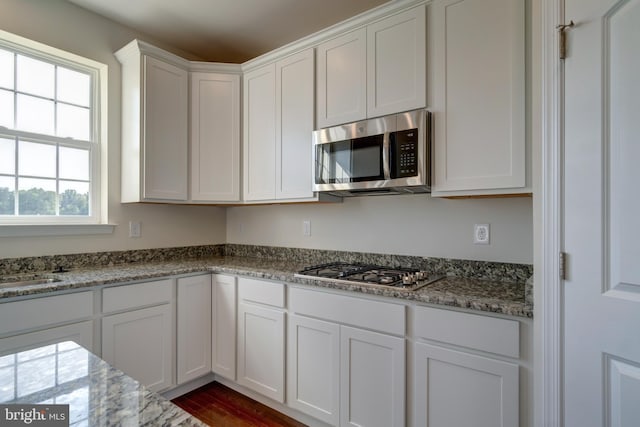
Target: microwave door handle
x,y
385,155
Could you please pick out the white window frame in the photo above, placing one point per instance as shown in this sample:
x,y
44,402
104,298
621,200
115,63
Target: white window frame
x,y
96,222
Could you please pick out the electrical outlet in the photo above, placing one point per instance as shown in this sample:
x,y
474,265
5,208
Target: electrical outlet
x,y
306,227
481,234
135,229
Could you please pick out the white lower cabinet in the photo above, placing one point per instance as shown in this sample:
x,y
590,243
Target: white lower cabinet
x,y
345,375
140,341
139,344
457,381
34,322
313,367
81,333
454,388
261,350
193,327
223,326
261,327
372,377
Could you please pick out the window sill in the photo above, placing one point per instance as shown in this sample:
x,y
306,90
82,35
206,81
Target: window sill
x,y
35,230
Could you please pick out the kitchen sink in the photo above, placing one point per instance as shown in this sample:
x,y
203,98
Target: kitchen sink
x,y
15,282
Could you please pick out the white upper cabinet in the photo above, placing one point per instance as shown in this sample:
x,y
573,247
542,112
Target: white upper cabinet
x,y
396,63
260,134
374,70
342,79
294,125
154,125
215,137
477,97
278,125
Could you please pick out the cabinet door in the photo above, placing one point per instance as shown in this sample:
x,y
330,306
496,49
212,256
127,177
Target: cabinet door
x,y
313,368
453,388
215,137
478,100
294,125
140,344
342,79
261,350
372,383
81,333
165,131
396,63
259,134
194,327
223,324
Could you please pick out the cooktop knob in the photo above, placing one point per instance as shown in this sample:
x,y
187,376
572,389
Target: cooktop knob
x,y
408,279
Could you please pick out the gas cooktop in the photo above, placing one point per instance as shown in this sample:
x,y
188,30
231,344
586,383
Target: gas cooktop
x,y
367,274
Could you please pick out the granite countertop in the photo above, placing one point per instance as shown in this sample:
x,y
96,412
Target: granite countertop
x,y
482,295
97,394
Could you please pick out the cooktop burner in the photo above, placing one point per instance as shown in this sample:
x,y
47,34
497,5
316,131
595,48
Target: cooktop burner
x,y
397,277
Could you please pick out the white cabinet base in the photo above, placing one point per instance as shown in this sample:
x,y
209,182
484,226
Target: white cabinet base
x,y
313,367
81,333
453,388
223,326
193,327
139,343
261,350
372,379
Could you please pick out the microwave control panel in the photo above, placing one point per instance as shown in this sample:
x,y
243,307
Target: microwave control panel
x,y
404,162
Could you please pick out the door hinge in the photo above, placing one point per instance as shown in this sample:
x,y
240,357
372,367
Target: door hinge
x,y
562,38
562,264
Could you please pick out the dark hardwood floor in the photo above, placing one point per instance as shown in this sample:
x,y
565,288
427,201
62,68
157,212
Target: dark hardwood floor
x,y
218,405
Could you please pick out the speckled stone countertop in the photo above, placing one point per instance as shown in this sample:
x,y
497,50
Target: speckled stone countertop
x,y
476,294
97,394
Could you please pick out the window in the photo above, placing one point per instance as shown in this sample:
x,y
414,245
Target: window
x,y
50,135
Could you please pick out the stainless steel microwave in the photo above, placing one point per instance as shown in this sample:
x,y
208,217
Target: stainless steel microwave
x,y
386,155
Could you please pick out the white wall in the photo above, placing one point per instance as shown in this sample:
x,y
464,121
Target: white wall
x,y
407,225
65,26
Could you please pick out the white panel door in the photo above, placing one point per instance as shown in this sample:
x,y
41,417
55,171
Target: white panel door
x,y
259,134
215,137
140,344
261,350
459,389
602,209
372,379
294,125
396,63
477,86
193,327
342,79
165,131
223,326
313,367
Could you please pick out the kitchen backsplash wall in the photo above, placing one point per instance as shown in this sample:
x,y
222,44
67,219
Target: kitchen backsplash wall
x,y
65,26
405,225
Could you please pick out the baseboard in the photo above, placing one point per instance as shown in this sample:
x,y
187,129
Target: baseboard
x,y
187,387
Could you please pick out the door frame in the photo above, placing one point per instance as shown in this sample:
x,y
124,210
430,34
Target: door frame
x,y
548,239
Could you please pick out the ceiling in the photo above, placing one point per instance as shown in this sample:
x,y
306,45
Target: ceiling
x,y
227,30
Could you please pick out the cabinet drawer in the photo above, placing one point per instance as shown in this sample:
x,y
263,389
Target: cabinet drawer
x,y
484,333
41,312
377,315
261,291
138,295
